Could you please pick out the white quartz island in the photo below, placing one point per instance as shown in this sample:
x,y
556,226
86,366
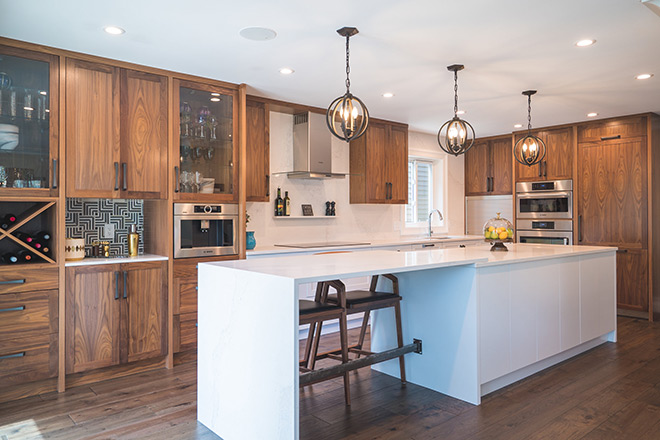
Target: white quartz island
x,y
486,319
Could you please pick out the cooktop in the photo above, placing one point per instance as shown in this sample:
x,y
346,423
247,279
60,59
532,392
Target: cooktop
x,y
323,244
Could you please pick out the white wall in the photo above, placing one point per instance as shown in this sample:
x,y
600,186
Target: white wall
x,y
353,222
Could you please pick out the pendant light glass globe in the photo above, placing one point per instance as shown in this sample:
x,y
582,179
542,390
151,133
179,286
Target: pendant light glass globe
x,y
456,136
531,149
347,116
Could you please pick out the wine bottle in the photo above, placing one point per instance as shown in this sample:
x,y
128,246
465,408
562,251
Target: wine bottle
x,y
42,236
42,247
7,221
24,237
24,255
287,204
9,258
279,204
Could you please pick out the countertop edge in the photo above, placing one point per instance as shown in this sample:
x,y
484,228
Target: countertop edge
x,y
115,260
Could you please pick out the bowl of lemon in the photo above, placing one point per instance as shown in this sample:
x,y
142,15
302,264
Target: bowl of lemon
x,y
498,231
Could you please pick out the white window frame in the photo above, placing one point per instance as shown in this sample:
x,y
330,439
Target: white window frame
x,y
439,195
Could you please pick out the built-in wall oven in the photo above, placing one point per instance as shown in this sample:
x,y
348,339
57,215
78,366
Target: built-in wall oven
x,y
205,230
553,199
544,212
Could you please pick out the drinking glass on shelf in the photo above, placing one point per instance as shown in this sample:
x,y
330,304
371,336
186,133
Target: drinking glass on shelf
x,y
28,106
213,123
186,119
3,177
197,181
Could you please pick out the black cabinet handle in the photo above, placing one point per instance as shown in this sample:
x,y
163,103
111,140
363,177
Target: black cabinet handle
x,y
540,169
116,285
461,245
610,138
390,190
428,245
13,309
622,251
176,179
545,168
116,176
54,173
124,167
125,290
580,228
13,282
267,185
14,355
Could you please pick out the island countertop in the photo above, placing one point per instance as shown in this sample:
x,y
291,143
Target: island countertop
x,y
310,268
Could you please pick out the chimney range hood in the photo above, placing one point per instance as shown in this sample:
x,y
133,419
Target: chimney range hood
x,y
312,148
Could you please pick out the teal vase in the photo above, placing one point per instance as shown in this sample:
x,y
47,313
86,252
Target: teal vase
x,y
250,242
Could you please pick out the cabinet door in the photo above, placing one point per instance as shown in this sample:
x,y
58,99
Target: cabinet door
x,y
477,173
92,323
558,163
501,165
632,277
92,130
397,165
143,135
612,197
257,152
143,321
376,163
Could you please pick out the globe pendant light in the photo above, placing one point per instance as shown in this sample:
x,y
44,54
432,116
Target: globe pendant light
x,y
347,116
531,149
456,136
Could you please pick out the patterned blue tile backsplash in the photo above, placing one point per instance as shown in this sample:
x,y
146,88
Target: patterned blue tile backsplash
x,y
85,218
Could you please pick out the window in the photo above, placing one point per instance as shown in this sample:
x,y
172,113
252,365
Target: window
x,y
420,191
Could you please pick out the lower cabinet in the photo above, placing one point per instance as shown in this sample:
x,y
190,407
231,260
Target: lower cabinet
x,y
184,297
116,313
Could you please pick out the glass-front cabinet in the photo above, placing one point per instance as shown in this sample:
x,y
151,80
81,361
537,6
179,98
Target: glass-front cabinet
x,y
207,148
28,123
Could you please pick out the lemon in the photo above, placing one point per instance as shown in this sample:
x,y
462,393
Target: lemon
x,y
491,228
503,235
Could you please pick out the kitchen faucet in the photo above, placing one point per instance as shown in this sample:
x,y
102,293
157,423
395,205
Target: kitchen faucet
x,y
430,216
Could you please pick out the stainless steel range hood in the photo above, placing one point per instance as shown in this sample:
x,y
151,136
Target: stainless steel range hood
x,y
312,148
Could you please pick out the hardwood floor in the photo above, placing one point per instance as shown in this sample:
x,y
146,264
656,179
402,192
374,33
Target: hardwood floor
x,y
611,392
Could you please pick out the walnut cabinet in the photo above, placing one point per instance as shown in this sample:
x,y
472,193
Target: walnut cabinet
x,y
488,167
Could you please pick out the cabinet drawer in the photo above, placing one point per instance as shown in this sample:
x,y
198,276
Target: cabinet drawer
x,y
624,128
28,313
28,359
188,296
27,279
185,332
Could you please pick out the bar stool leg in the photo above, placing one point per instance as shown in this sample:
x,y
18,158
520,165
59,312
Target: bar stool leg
x,y
308,344
344,355
363,331
399,338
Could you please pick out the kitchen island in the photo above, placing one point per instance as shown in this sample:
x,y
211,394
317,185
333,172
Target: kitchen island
x,y
486,319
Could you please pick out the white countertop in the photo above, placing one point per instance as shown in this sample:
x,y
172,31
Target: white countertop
x,y
115,260
401,241
306,268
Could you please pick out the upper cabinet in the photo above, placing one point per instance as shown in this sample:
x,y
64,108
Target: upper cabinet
x,y
28,123
379,165
206,132
257,151
116,132
558,162
488,166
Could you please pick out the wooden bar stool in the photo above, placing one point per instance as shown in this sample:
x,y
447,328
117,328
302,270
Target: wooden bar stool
x,y
319,310
366,301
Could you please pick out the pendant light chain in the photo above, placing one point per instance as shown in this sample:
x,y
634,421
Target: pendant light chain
x,y
348,67
455,93
529,113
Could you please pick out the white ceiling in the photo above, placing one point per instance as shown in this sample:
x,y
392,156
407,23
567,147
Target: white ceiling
x,y
403,47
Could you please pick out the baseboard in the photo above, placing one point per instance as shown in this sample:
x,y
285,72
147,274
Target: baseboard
x,y
29,389
632,313
113,372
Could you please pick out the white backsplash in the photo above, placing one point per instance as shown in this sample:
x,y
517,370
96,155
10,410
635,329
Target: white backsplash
x,y
353,222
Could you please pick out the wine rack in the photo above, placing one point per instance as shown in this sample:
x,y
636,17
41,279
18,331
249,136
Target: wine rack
x,y
30,218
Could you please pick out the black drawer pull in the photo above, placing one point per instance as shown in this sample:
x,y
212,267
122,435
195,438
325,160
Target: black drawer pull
x,y
428,245
13,309
124,184
116,176
610,138
125,290
622,251
13,282
116,285
461,245
14,355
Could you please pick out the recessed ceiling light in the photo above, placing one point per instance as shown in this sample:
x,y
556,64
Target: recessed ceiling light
x,y
114,30
286,71
592,115
517,126
258,33
215,99
460,112
644,76
585,43
388,95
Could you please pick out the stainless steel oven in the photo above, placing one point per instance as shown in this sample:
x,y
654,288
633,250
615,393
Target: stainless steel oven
x,y
553,199
545,231
205,230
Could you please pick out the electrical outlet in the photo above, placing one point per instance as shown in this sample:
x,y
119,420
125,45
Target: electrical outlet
x,y
108,230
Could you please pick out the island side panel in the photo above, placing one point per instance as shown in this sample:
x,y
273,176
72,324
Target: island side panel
x,y
439,307
247,368
598,296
